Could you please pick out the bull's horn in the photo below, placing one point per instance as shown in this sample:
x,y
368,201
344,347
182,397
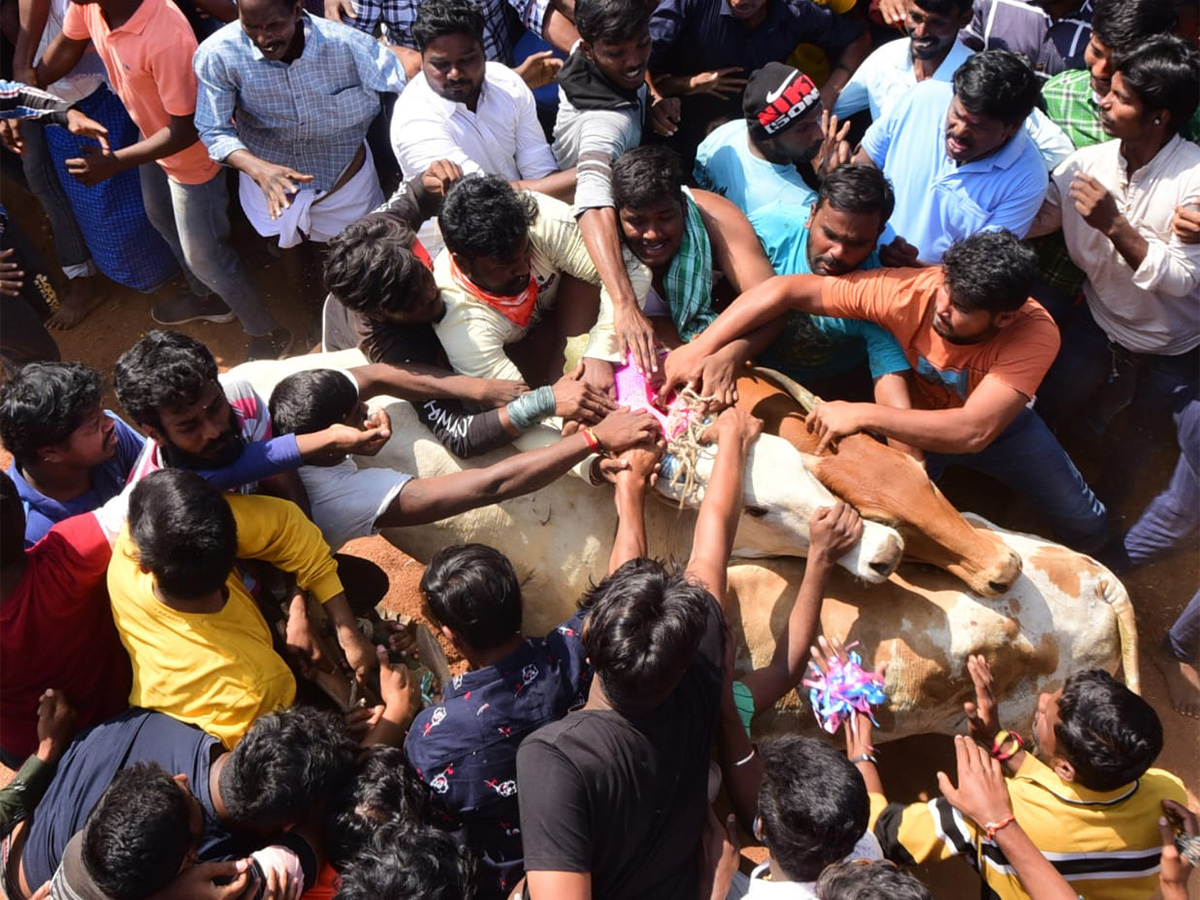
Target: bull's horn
x,y
798,392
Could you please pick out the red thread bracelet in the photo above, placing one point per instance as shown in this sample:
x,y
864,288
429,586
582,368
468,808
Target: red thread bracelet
x,y
993,827
592,441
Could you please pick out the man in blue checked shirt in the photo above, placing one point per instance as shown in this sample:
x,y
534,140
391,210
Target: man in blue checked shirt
x,y
286,99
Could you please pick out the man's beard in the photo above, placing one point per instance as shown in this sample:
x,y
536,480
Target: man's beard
x,y
226,456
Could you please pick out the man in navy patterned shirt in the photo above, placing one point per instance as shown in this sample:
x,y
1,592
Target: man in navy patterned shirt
x,y
465,749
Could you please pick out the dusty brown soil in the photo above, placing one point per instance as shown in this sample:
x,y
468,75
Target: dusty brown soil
x,y
1159,591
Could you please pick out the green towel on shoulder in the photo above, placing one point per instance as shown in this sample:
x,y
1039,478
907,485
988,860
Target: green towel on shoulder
x,y
688,282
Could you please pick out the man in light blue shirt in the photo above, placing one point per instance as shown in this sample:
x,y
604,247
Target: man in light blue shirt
x,y
752,161
958,155
839,235
932,52
286,99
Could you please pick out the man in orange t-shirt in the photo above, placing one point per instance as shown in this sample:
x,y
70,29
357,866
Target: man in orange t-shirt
x,y
978,347
147,47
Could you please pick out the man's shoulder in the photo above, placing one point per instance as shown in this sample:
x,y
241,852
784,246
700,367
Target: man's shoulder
x,y
501,76
727,134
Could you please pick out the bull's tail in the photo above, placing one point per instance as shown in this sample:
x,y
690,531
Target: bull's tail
x,y
1118,598
798,392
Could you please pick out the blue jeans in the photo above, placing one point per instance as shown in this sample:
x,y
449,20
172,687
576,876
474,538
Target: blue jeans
x,y
1171,519
1088,362
1027,458
194,221
73,253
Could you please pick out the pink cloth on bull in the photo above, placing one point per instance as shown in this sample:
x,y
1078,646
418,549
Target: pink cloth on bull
x,y
635,392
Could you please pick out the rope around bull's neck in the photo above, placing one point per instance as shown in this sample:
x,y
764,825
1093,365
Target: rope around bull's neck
x,y
687,410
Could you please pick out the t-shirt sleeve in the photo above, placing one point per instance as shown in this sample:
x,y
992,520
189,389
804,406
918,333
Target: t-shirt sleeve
x,y
345,507
1026,354
884,353
75,23
921,832
174,78
277,532
877,296
555,819
879,135
603,136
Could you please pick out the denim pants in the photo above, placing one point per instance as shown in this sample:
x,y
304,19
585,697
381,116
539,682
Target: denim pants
x,y
1088,361
1027,458
73,254
194,221
1171,519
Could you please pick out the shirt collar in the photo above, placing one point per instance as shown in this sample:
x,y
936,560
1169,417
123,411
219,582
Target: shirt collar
x,y
474,679
1035,771
1150,169
141,18
449,107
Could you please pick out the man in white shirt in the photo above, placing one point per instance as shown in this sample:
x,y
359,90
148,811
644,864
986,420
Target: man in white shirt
x,y
1115,202
461,108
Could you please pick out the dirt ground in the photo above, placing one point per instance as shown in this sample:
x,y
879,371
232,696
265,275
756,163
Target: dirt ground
x,y
1159,591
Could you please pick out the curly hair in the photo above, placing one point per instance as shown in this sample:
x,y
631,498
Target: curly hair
x,y
438,18
164,370
990,270
483,216
43,403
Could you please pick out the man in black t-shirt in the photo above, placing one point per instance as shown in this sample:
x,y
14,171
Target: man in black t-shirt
x,y
613,797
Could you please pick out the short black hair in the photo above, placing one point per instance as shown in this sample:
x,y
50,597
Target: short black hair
x,y
1120,25
614,21
1164,71
43,403
483,216
473,589
869,880
813,803
646,175
184,532
384,790
12,523
410,864
990,270
312,400
1106,731
438,18
857,189
286,766
164,370
998,84
138,834
370,267
644,624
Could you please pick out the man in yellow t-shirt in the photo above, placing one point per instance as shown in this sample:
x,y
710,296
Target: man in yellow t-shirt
x,y
201,649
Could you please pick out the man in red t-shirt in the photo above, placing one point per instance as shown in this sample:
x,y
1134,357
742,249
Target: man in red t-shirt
x,y
56,628
978,347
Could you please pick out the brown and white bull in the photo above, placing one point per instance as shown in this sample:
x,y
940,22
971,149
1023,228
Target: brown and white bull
x,y
1043,611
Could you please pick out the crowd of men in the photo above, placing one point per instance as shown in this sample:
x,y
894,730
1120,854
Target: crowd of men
x,y
971,239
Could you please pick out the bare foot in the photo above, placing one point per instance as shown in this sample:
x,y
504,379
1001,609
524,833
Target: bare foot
x,y
77,302
1183,682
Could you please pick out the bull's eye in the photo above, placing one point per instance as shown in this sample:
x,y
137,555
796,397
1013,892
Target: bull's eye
x,y
756,512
